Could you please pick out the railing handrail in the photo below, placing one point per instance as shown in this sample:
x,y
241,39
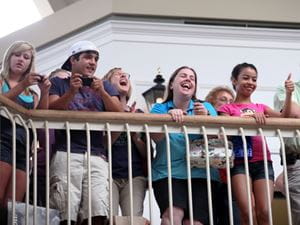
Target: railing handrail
x,y
153,119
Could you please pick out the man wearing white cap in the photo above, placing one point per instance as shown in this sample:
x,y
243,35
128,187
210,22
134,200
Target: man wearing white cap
x,y
81,92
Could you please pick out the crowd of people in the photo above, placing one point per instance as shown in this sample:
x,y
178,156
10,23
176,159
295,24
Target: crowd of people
x,y
75,87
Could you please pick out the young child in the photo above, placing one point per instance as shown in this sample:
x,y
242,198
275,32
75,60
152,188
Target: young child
x,y
244,81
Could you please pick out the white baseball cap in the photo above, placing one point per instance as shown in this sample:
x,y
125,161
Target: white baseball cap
x,y
80,46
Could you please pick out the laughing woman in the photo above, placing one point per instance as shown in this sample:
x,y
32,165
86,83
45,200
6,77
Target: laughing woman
x,y
180,100
16,77
121,196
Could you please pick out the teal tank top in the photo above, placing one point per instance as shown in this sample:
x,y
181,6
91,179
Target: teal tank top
x,y
27,101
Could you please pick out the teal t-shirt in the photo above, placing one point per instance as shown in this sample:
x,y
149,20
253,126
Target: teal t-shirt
x,y
178,149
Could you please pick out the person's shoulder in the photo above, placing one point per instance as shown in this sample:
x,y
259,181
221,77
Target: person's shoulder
x,y
58,80
226,107
108,85
212,111
261,106
160,108
110,88
59,86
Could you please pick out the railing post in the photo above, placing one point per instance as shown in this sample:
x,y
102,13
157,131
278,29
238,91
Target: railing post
x,y
189,177
285,176
47,171
208,177
247,175
68,171
168,152
266,169
228,176
149,158
88,139
110,179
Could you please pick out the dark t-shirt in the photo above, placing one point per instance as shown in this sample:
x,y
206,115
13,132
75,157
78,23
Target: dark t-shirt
x,y
120,158
85,100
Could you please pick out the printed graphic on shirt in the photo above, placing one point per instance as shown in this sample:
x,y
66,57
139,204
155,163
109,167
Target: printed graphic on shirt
x,y
86,100
247,112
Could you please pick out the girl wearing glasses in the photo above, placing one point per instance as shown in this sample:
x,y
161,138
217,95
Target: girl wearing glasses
x,y
121,81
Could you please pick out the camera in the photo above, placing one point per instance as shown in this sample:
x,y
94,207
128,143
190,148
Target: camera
x,y
198,100
41,77
87,81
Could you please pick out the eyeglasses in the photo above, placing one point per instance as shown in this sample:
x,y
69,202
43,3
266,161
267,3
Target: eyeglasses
x,y
127,75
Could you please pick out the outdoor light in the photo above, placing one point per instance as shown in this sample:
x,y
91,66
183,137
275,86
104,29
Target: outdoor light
x,y
156,93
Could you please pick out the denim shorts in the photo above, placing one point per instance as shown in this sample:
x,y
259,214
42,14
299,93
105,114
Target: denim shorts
x,y
6,153
256,170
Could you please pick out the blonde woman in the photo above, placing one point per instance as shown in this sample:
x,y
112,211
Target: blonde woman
x,y
121,81
16,77
219,96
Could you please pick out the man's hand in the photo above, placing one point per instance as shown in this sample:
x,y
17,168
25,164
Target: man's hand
x,y
289,85
98,86
75,82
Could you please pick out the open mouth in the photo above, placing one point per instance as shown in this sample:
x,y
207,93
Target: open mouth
x,y
90,69
123,82
19,65
186,85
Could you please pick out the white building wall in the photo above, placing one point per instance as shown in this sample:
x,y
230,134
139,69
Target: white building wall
x,y
141,47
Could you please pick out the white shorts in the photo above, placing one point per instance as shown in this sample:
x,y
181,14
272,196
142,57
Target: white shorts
x,y
79,186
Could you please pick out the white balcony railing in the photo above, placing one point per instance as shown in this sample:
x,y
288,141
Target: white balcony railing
x,y
148,123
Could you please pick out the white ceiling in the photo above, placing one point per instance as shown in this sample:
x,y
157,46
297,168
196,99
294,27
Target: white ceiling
x,y
59,4
47,7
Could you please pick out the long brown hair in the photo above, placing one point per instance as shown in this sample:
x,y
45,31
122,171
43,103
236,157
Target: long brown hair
x,y
169,91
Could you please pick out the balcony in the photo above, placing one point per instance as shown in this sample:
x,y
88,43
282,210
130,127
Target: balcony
x,y
149,124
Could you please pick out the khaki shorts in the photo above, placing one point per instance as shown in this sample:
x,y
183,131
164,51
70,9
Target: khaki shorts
x,y
121,196
79,186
